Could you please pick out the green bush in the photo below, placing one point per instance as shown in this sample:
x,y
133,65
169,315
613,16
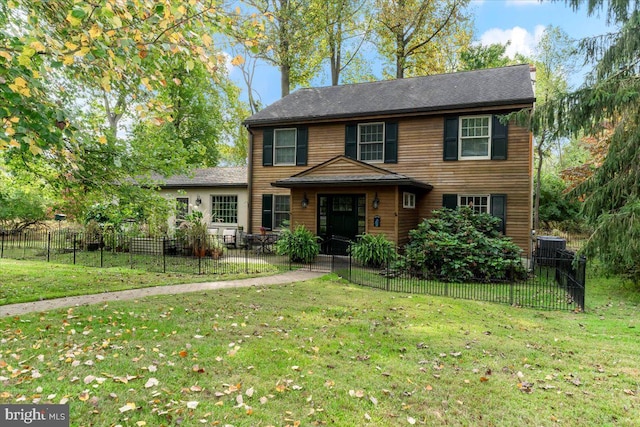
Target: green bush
x,y
373,250
461,245
300,245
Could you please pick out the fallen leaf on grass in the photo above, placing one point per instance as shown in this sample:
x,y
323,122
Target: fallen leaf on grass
x,y
128,407
411,420
151,382
356,393
192,404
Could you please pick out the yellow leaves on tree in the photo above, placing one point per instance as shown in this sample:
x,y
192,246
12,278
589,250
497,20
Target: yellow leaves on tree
x,y
598,147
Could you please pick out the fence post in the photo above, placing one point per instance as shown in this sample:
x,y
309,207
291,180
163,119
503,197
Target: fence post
x,y
199,245
74,249
386,273
2,245
247,243
48,245
101,249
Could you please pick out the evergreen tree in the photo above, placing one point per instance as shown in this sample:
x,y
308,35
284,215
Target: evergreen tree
x,y
611,97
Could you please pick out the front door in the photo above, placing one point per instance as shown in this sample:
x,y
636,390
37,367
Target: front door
x,y
342,216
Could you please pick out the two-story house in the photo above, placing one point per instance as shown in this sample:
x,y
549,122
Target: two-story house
x,y
379,157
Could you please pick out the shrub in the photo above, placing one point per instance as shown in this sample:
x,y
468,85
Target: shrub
x,y
373,250
300,245
461,245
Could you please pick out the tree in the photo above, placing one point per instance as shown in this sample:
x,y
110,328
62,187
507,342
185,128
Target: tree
x,y
554,62
417,35
477,57
290,40
611,96
117,46
346,28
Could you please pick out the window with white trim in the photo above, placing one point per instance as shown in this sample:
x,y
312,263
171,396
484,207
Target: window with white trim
x,y
284,146
475,137
224,209
478,203
408,200
371,142
281,209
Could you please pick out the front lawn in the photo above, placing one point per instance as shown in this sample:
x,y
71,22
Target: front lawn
x,y
324,352
25,281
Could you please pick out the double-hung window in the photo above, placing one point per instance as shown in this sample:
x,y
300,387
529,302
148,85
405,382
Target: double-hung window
x,y
475,137
371,142
224,209
479,204
281,208
284,146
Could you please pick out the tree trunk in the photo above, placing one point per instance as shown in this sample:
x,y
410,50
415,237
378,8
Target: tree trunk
x,y
536,200
285,69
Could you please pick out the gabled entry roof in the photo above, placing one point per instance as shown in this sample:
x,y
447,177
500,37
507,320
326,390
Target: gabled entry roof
x,y
342,171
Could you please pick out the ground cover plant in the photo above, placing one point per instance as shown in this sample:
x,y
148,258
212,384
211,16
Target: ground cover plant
x,y
24,281
325,352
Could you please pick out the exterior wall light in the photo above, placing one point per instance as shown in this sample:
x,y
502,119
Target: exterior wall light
x,y
376,201
305,201
198,200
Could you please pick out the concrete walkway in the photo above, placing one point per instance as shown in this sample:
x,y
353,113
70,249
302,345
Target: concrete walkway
x,y
52,304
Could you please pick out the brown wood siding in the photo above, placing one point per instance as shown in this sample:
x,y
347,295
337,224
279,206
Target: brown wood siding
x,y
387,211
420,152
408,219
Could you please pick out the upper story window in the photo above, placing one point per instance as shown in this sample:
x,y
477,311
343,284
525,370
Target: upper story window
x,y
479,204
224,209
371,142
284,146
475,137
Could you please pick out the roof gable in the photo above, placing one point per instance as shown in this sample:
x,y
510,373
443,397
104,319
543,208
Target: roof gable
x,y
343,171
440,92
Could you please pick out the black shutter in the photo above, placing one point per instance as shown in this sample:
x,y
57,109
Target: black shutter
x,y
450,151
267,211
302,143
499,210
391,143
351,141
450,201
267,147
498,139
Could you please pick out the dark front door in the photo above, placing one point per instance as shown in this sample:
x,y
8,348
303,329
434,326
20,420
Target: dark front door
x,y
341,216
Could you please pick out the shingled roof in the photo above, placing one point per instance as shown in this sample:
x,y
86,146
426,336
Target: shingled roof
x,y
232,176
440,92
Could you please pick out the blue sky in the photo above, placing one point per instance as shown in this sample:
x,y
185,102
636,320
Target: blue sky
x,y
496,21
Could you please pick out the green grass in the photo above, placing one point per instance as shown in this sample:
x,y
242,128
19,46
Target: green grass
x,y
25,281
325,352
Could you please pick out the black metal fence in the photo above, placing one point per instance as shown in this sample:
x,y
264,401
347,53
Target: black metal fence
x,y
245,253
554,282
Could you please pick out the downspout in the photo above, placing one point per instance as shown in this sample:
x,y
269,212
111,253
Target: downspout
x,y
250,181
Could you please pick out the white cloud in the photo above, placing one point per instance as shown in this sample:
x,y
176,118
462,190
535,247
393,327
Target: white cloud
x,y
522,41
